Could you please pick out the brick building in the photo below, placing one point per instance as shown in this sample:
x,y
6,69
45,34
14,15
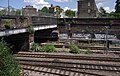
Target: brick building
x,y
51,9
29,11
87,9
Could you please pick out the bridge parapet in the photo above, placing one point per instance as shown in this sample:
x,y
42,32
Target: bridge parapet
x,y
13,22
18,24
38,21
90,21
23,30
89,25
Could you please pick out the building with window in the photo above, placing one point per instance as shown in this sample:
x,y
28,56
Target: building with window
x,y
29,11
87,9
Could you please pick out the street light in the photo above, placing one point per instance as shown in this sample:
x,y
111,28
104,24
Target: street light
x,y
107,42
8,7
69,30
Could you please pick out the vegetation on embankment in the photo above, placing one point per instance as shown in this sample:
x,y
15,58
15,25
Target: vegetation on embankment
x,y
8,65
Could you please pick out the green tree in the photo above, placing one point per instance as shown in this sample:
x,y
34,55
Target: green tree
x,y
30,29
18,12
8,65
102,12
58,10
118,36
3,12
111,15
70,13
117,6
12,12
44,9
114,15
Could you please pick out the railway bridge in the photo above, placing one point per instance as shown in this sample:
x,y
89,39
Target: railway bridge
x,y
89,25
16,30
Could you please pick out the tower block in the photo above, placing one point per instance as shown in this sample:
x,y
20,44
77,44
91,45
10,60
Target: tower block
x,y
87,9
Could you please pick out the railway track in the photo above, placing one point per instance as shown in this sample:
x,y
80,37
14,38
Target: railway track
x,y
64,41
38,55
71,65
63,67
52,65
56,71
115,52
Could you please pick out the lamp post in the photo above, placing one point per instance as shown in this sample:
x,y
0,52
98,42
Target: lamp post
x,y
8,8
69,30
107,46
107,41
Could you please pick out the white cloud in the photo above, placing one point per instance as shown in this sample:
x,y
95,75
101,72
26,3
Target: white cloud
x,y
102,3
37,3
61,0
40,6
98,1
1,8
66,8
74,9
108,9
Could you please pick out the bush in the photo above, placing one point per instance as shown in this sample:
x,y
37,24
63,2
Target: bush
x,y
35,47
8,65
88,51
7,25
48,48
30,29
74,49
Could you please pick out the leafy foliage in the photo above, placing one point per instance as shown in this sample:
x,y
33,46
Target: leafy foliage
x,y
48,48
30,29
18,12
7,24
102,12
117,6
44,9
74,49
70,13
118,36
114,15
58,11
3,12
11,12
8,65
35,47
21,19
88,51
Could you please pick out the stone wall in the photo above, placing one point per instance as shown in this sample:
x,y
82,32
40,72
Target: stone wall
x,y
87,8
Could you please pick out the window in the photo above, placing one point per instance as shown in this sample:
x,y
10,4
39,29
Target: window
x,y
88,3
89,11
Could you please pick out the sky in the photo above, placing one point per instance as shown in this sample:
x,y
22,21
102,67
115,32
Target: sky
x,y
65,4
